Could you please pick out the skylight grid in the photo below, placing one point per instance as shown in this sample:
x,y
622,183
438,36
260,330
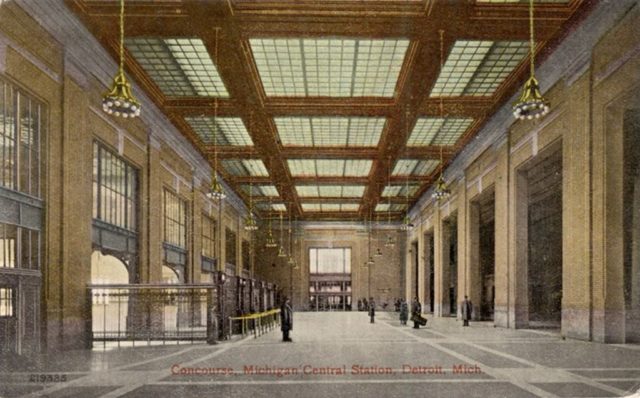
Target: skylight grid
x,y
329,66
501,60
280,65
398,207
230,130
390,191
310,206
302,167
244,167
330,131
353,191
349,207
357,168
179,67
414,167
378,67
438,131
307,191
329,167
382,207
261,190
424,131
194,59
330,207
461,64
451,131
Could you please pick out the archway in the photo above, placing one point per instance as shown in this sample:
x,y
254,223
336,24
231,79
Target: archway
x,y
109,311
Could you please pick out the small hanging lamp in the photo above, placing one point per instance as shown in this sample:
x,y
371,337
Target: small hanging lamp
x,y
119,101
531,103
441,191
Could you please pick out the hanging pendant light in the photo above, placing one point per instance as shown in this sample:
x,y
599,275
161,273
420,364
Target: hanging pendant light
x,y
531,103
216,192
119,101
271,242
378,252
406,222
441,191
281,251
390,241
295,263
250,224
290,260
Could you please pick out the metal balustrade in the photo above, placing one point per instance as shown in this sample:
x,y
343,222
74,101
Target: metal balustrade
x,y
259,323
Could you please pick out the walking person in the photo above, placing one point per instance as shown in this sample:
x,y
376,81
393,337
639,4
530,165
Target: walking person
x,y
286,319
404,312
372,309
467,308
416,311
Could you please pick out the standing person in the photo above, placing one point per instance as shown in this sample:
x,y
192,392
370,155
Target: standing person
x,y
404,312
416,311
372,309
286,319
467,308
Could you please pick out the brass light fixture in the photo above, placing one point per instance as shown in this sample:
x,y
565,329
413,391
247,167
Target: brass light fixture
x,y
290,260
406,222
281,251
250,224
441,191
216,192
370,261
119,101
271,242
531,103
390,242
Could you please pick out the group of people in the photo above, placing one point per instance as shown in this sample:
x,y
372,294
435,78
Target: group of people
x,y
466,308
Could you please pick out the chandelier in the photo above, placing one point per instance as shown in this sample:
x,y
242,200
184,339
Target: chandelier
x,y
390,242
250,224
290,260
119,101
281,251
406,222
441,191
531,103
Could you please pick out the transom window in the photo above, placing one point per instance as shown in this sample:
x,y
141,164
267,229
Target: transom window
x,y
208,236
19,247
115,185
175,220
330,260
21,129
7,302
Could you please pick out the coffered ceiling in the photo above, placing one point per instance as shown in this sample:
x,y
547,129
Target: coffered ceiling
x,y
329,109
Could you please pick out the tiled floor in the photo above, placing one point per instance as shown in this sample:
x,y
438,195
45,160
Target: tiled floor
x,y
447,361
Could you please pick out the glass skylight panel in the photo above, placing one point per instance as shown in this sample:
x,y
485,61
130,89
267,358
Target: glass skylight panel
x,y
261,190
478,67
279,207
406,167
501,60
310,206
330,207
349,207
382,207
332,67
331,191
357,168
438,131
307,191
398,207
180,67
330,131
353,191
390,191
329,167
302,167
230,130
245,167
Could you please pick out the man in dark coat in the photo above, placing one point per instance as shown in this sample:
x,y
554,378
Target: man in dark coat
x,y
404,312
372,309
416,312
286,319
466,309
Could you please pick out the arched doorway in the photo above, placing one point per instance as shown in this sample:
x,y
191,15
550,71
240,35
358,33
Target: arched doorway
x,y
109,311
